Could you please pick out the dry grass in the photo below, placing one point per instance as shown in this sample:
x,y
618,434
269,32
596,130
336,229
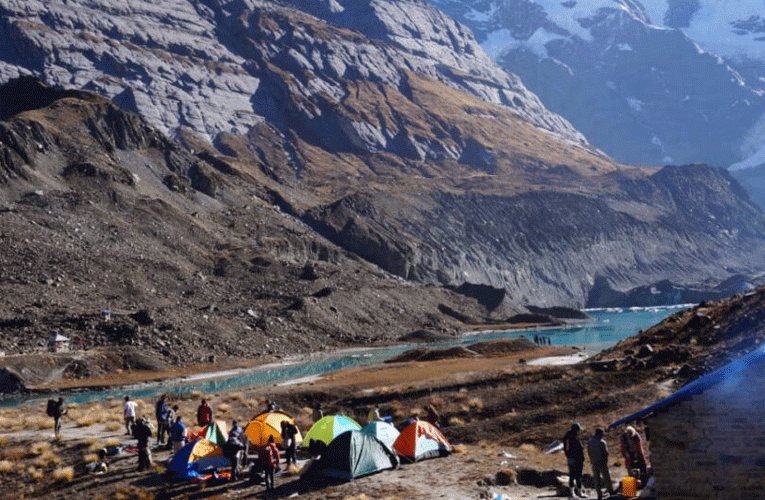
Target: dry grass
x,y
460,448
132,493
475,404
454,420
114,426
529,448
39,448
14,453
47,459
38,422
223,408
35,474
6,466
63,475
89,458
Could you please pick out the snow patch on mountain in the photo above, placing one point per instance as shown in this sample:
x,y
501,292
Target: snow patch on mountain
x,y
731,28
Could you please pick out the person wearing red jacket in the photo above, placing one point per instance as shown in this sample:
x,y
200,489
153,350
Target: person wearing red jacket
x,y
634,456
204,414
269,460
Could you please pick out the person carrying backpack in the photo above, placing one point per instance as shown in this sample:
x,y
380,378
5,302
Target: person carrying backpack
x,y
142,431
56,409
269,461
289,432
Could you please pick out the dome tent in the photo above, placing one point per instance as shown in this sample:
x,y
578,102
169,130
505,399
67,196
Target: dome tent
x,y
328,428
196,459
421,440
266,424
383,431
353,454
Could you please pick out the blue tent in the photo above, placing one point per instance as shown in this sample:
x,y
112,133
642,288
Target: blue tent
x,y
383,431
196,459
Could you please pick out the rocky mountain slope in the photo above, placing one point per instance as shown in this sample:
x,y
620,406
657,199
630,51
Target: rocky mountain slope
x,y
341,172
651,82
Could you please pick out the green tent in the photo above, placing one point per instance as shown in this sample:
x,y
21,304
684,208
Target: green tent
x,y
328,428
353,454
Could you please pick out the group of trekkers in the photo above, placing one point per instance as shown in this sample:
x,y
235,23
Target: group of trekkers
x,y
171,425
597,450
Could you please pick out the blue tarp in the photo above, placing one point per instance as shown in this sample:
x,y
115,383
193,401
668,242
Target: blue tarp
x,y
699,385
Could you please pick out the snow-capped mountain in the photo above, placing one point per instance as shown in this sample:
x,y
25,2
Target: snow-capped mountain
x,y
657,81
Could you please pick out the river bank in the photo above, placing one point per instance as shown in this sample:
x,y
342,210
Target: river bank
x,y
229,373
467,390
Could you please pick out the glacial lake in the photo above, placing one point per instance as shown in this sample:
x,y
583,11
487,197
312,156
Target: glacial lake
x,y
607,327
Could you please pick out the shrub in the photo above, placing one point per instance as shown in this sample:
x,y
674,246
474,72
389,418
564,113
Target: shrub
x,y
6,466
47,459
475,404
34,473
39,448
15,453
454,420
63,475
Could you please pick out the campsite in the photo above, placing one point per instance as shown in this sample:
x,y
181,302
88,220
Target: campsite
x,y
499,412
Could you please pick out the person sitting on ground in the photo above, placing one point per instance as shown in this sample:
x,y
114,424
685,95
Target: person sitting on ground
x,y
289,431
99,466
128,411
270,405
374,415
204,414
269,460
574,451
177,434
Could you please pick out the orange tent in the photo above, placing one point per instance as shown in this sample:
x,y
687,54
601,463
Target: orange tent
x,y
269,424
421,440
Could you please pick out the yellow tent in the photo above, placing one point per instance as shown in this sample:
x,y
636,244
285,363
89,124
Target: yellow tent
x,y
269,424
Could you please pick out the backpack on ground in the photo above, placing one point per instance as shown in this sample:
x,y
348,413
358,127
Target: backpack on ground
x,y
51,409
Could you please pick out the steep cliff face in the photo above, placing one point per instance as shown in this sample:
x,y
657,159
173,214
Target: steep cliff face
x,y
549,248
384,127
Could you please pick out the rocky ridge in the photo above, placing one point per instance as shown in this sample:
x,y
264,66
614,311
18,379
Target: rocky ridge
x,y
631,76
353,143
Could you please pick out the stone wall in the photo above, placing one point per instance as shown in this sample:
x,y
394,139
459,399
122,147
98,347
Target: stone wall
x,y
712,446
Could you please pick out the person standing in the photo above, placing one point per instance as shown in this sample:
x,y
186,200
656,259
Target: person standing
x,y
177,434
431,415
128,410
142,431
233,448
204,414
56,411
597,450
574,451
269,460
633,453
289,431
162,412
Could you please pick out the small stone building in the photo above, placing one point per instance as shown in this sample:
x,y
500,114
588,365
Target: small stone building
x,y
58,343
707,440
